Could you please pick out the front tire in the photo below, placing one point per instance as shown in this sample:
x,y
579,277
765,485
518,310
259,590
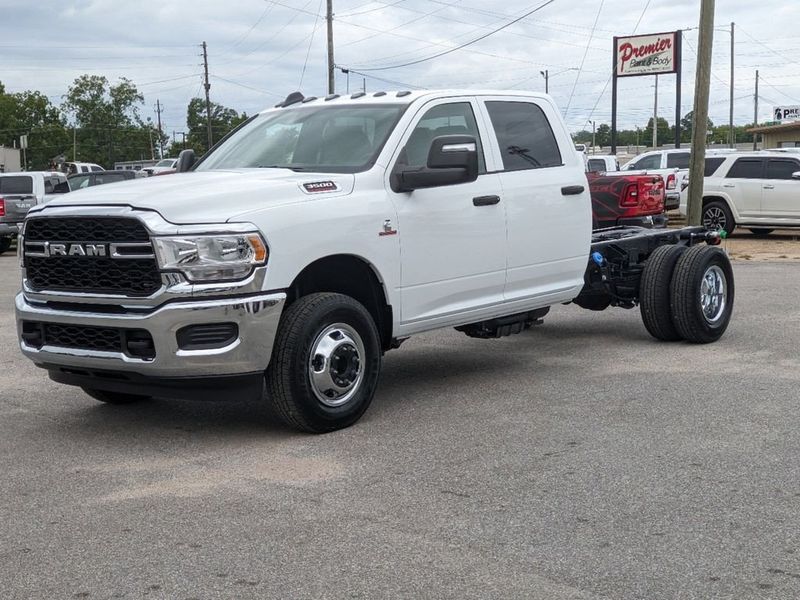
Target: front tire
x,y
701,295
654,294
5,244
717,217
325,363
114,397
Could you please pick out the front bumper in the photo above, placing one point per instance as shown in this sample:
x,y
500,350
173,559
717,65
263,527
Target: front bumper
x,y
256,316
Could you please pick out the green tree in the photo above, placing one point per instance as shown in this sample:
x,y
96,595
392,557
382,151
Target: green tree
x,y
107,121
31,113
665,133
223,120
602,135
686,126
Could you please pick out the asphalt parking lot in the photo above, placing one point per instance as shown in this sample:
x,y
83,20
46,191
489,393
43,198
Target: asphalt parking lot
x,y
578,460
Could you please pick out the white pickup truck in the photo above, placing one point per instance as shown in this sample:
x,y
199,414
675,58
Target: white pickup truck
x,y
324,232
19,192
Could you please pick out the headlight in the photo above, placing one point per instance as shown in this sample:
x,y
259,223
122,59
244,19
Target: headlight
x,y
211,257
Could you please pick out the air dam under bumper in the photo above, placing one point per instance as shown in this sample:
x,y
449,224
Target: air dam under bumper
x,y
247,356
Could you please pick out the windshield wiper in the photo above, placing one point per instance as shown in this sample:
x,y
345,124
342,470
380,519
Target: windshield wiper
x,y
291,168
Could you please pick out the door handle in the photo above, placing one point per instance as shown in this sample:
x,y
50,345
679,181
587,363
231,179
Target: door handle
x,y
485,200
572,190
769,187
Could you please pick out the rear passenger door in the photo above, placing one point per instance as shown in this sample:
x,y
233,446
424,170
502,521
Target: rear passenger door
x,y
743,184
546,196
781,195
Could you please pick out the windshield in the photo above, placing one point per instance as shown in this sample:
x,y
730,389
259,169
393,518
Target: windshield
x,y
336,139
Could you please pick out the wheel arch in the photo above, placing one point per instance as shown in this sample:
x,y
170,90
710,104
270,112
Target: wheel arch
x,y
707,199
352,276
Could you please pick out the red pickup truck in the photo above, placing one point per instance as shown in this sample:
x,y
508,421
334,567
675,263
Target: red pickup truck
x,y
627,200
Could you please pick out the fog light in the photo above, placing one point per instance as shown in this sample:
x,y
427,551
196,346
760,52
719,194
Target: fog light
x,y
207,336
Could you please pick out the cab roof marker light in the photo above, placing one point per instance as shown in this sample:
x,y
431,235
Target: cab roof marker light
x,y
403,93
358,95
309,99
378,94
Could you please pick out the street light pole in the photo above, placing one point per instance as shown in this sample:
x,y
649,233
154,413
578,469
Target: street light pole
x,y
546,75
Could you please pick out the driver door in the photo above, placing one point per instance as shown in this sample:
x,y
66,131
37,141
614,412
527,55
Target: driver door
x,y
452,238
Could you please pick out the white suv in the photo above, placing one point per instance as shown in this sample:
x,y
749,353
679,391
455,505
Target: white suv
x,y
756,190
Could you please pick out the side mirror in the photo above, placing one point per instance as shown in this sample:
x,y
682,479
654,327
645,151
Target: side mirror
x,y
186,160
452,159
796,175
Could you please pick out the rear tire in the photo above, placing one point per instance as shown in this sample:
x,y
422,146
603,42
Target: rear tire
x,y
702,294
717,216
654,293
325,363
114,397
761,232
5,244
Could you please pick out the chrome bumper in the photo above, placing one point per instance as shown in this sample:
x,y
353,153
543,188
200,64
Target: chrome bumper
x,y
256,316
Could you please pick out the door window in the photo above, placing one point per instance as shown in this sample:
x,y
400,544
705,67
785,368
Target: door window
x,y
647,162
678,160
712,164
524,134
746,168
781,168
446,119
79,182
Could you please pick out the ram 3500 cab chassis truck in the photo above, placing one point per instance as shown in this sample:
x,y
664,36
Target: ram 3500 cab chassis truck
x,y
321,234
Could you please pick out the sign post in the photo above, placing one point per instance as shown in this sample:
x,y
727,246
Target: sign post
x,y
650,54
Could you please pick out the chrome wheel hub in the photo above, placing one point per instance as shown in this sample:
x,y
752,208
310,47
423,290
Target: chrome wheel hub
x,y
335,365
713,294
714,219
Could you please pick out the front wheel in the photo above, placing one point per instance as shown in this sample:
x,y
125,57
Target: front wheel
x,y
114,397
325,363
701,294
5,244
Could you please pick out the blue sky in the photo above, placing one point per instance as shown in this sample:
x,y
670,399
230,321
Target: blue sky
x,y
259,50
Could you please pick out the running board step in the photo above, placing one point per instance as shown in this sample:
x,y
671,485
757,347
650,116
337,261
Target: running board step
x,y
503,326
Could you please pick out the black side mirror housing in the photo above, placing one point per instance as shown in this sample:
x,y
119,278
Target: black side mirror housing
x,y
186,160
452,159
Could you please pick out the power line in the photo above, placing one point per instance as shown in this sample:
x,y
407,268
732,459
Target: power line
x,y
583,60
310,42
464,45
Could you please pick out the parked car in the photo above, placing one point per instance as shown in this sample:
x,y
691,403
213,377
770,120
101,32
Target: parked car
x,y
602,163
291,268
162,166
19,192
671,164
756,190
73,168
84,180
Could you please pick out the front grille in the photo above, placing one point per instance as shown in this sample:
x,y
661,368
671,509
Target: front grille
x,y
133,342
135,277
85,229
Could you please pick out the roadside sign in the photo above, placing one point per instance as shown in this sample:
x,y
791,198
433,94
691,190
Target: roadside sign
x,y
23,142
783,114
651,54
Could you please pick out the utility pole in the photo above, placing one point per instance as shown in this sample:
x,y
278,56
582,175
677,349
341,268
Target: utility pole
x,y
593,132
74,144
700,113
655,118
207,85
364,87
546,75
160,133
732,134
755,114
331,80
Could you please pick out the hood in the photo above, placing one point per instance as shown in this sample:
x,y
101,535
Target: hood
x,y
211,196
